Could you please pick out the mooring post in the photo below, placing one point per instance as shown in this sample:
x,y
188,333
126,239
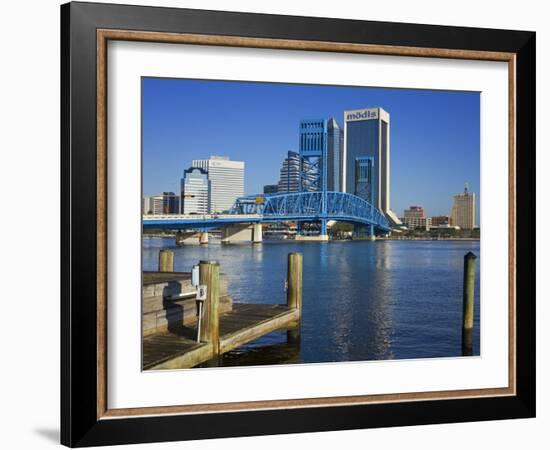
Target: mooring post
x,y
294,294
294,279
166,261
468,303
209,275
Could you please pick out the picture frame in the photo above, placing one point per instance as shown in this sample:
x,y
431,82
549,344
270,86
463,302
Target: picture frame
x,y
86,418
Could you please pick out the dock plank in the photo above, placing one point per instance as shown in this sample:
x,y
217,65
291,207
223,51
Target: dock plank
x,y
172,351
244,323
251,321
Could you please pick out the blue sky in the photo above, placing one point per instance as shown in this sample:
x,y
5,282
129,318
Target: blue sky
x,y
434,134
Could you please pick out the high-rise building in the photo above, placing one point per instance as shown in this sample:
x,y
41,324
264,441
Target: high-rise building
x,y
271,188
320,147
164,203
195,191
463,214
226,181
335,149
289,179
366,171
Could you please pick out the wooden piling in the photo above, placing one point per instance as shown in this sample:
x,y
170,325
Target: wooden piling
x,y
166,261
294,279
468,303
293,335
294,295
209,275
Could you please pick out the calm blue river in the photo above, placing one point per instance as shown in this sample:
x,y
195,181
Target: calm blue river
x,y
361,300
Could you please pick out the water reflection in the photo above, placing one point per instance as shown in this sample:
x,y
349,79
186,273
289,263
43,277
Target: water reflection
x,y
361,300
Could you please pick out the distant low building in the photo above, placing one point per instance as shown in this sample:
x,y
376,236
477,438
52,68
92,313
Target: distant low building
x,y
440,220
415,212
271,188
445,227
415,218
423,223
164,203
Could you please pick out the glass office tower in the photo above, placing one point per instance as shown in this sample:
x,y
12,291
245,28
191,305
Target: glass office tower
x,y
367,156
321,150
335,145
289,178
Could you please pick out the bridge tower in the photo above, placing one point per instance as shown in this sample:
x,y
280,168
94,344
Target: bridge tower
x,y
313,150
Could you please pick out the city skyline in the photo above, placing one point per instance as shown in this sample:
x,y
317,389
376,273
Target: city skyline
x,y
434,135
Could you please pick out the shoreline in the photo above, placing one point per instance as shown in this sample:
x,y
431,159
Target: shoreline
x,y
157,236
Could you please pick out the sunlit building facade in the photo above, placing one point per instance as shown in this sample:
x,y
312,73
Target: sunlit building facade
x,y
195,191
463,213
226,181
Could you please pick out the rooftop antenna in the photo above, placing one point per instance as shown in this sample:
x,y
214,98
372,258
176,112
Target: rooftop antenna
x,y
466,187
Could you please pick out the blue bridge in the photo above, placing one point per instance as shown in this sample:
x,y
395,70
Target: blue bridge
x,y
317,206
313,207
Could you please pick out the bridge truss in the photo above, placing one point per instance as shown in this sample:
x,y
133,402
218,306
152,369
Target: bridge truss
x,y
313,206
290,207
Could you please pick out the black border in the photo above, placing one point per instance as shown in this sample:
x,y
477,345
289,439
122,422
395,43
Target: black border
x,y
79,425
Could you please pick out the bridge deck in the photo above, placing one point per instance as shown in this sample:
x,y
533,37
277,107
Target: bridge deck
x,y
243,324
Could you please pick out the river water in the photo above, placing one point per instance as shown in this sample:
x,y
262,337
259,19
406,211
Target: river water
x,y
361,300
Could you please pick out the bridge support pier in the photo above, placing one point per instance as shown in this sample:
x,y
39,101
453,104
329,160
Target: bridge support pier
x,y
364,232
323,227
322,236
203,238
237,233
372,236
257,233
187,237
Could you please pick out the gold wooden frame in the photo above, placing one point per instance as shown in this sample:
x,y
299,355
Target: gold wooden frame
x,y
104,35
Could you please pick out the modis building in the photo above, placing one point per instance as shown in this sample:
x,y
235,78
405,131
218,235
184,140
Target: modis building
x,y
366,168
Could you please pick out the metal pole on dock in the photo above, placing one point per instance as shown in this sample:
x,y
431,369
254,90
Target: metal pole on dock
x,y
166,261
468,303
209,275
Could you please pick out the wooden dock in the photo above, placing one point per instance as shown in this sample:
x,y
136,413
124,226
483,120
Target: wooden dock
x,y
223,331
243,324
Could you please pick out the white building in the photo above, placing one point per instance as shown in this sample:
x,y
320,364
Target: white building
x,y
423,223
195,191
226,181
